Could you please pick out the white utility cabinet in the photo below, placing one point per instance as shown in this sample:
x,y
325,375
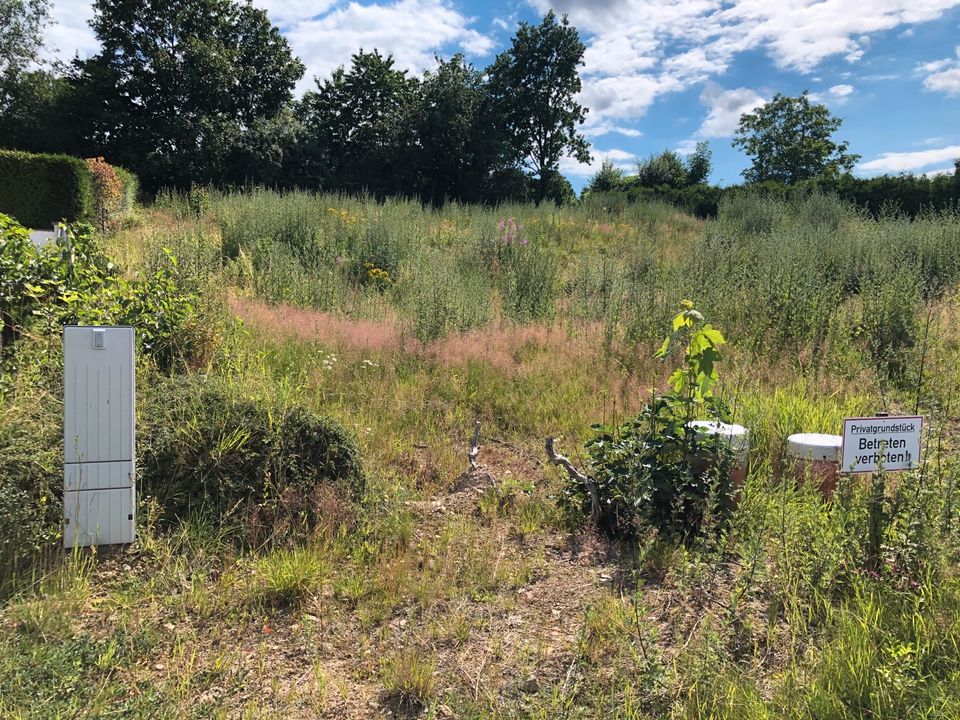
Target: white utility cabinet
x,y
99,493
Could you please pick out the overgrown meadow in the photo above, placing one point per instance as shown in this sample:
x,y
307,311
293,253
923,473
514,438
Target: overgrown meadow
x,y
415,587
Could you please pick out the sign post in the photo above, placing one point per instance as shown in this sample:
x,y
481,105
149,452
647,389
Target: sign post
x,y
880,443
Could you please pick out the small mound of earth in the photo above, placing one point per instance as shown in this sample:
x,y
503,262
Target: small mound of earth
x,y
476,480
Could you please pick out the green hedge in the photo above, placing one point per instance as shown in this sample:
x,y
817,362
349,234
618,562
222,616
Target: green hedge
x,y
131,189
41,190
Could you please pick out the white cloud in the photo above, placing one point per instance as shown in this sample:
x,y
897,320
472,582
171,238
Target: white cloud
x,y
633,56
942,75
947,82
323,33
69,34
910,161
623,96
622,159
939,172
726,107
837,94
606,129
287,13
412,30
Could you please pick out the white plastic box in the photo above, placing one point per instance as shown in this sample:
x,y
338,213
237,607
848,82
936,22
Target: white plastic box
x,y
98,435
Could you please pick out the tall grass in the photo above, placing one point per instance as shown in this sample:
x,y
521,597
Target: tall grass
x,y
409,325
809,273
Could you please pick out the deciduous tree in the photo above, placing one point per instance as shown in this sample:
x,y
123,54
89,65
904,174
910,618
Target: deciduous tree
x,y
790,139
358,126
534,85
177,81
21,24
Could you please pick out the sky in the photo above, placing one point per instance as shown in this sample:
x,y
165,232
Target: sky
x,y
665,74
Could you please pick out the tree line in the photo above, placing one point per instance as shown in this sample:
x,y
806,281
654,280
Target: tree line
x,y
790,142
187,92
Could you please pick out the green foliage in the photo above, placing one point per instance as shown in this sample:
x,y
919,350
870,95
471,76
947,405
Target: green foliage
x,y
607,179
653,470
789,140
21,28
664,169
221,69
357,125
699,164
287,576
31,465
455,133
533,86
130,190
248,463
40,190
667,171
38,114
410,678
71,281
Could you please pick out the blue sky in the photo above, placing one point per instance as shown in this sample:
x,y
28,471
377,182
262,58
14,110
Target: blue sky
x,y
667,73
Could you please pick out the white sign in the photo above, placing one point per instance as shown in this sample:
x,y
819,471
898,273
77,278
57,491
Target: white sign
x,y
888,443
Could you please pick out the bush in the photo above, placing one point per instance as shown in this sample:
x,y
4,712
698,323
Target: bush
x,y
107,191
261,468
41,190
71,281
653,470
130,190
31,485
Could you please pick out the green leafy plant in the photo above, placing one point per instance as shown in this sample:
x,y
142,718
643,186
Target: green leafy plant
x,y
70,280
653,470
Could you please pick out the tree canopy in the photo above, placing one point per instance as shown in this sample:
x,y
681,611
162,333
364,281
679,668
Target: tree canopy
x,y
790,139
357,125
534,86
21,24
177,84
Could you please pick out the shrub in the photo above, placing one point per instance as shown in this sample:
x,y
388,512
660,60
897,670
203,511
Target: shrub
x,y
31,484
653,470
108,193
130,190
246,462
71,281
41,190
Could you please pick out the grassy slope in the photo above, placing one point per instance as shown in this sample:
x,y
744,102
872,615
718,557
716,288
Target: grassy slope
x,y
472,595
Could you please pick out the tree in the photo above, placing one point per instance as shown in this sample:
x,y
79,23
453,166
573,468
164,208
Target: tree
x,y
664,169
699,163
790,139
21,24
39,114
607,179
457,144
358,127
534,86
177,82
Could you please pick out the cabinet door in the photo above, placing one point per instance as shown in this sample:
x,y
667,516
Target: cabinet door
x,y
98,517
98,394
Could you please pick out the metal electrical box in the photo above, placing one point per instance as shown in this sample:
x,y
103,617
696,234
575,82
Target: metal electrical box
x,y
99,493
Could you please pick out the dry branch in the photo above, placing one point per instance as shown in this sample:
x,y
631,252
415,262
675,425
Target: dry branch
x,y
558,459
474,447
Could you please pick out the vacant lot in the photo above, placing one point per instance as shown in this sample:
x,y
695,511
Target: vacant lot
x,y
443,591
